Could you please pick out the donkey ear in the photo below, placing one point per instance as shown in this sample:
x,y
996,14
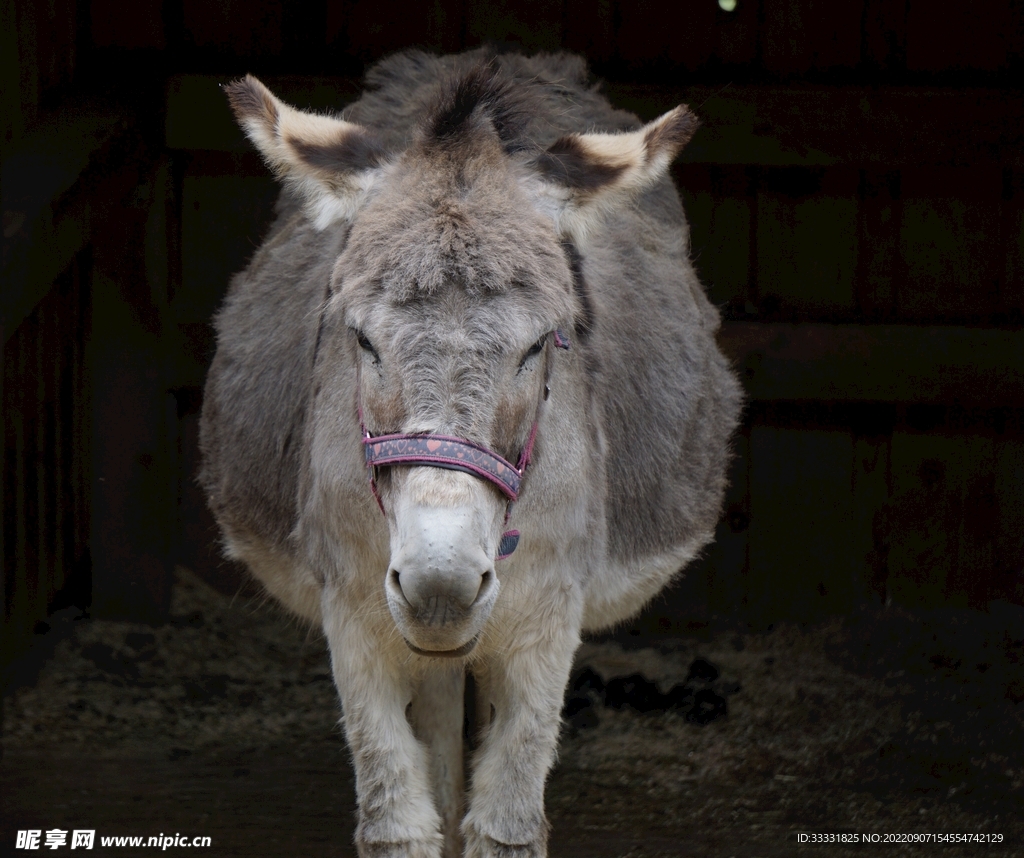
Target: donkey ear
x,y
588,173
330,162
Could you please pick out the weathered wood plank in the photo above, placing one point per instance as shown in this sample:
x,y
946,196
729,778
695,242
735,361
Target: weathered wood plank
x,y
44,477
131,504
949,244
983,36
1011,303
80,408
26,25
130,421
222,220
801,36
870,492
57,37
6,492
720,207
641,48
878,260
1008,547
245,28
12,113
47,216
139,24
882,363
61,465
16,487
532,25
807,242
885,36
590,29
936,529
370,30
41,550
805,552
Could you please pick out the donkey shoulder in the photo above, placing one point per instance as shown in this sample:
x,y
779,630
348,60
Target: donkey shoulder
x,y
670,401
257,390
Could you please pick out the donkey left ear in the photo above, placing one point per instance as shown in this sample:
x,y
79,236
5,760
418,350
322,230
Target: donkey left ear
x,y
330,162
588,173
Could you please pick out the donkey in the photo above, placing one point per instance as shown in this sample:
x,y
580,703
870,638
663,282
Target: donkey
x,y
466,405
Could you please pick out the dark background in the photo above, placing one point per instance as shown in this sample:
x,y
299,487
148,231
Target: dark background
x,y
856,200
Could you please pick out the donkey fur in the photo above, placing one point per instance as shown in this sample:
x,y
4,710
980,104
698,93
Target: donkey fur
x,y
464,206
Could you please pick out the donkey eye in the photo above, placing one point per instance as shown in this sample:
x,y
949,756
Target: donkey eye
x,y
535,349
366,345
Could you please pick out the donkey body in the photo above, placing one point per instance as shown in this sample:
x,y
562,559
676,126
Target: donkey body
x,y
432,251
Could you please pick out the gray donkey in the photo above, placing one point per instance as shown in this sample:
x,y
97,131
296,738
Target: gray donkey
x,y
466,405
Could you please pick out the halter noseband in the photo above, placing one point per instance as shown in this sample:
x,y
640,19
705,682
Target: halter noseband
x,y
457,454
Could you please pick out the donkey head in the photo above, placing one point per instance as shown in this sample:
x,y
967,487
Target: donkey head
x,y
456,271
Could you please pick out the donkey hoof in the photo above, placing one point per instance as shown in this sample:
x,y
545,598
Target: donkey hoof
x,y
482,846
408,849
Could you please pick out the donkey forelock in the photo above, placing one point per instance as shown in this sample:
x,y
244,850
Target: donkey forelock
x,y
454,210
480,100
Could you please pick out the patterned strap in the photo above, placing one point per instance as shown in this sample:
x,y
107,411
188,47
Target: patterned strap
x,y
443,451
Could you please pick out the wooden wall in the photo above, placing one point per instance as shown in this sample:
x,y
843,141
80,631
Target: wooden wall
x,y
45,532
778,40
856,199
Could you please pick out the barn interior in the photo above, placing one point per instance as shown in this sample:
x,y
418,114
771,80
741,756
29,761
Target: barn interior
x,y
848,657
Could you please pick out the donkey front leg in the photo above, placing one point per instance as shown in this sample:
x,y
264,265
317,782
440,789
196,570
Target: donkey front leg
x,y
397,817
506,806
437,716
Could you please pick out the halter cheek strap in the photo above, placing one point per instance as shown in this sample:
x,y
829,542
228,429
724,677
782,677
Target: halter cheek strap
x,y
457,454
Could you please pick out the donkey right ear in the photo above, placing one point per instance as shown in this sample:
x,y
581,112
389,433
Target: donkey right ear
x,y
585,174
330,162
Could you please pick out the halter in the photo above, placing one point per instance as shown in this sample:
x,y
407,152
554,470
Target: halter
x,y
457,454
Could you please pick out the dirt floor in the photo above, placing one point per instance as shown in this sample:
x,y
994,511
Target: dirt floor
x,y
223,723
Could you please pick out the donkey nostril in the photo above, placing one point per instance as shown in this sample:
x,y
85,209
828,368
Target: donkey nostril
x,y
487,581
422,590
395,583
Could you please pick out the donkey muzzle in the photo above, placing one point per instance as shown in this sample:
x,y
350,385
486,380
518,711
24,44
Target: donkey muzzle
x,y
441,584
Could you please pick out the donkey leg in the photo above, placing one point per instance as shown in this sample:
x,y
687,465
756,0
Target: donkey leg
x,y
506,806
483,709
397,817
437,717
